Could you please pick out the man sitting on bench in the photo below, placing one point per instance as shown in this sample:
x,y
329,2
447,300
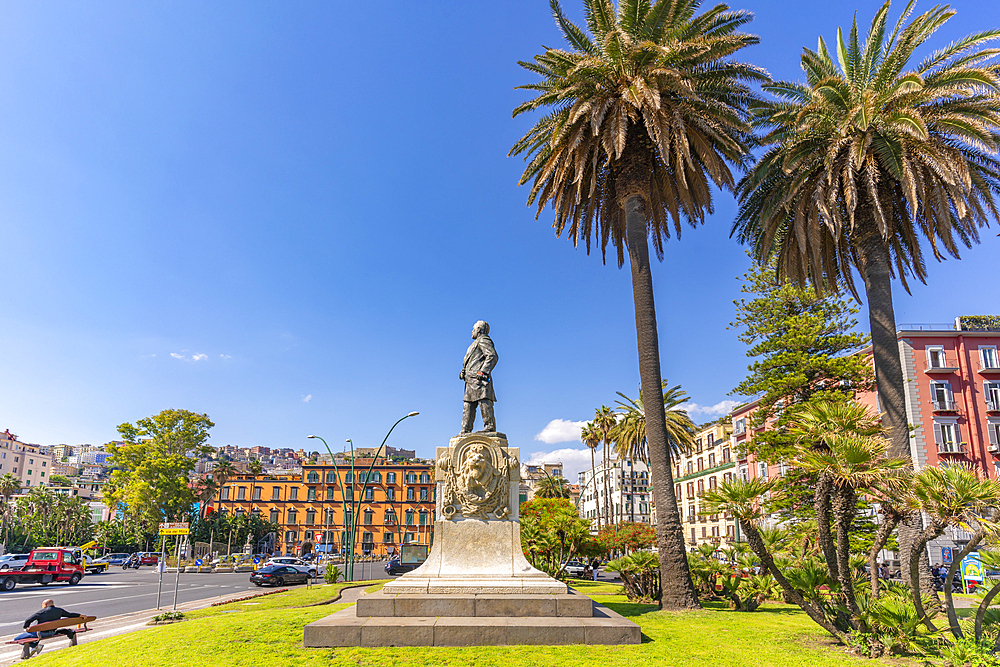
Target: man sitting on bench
x,y
48,612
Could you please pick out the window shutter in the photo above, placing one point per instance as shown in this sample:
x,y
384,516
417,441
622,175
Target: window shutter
x,y
938,438
947,390
958,438
992,428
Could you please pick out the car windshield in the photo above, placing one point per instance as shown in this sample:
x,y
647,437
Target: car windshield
x,y
46,555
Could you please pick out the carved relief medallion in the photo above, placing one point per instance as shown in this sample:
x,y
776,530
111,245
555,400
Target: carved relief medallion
x,y
477,477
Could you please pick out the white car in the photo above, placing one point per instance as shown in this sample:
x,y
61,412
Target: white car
x,y
13,562
291,561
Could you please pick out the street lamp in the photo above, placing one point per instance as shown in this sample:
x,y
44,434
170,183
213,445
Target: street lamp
x,y
356,502
336,472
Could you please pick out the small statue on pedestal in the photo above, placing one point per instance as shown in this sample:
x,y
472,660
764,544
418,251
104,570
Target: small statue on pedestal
x,y
480,359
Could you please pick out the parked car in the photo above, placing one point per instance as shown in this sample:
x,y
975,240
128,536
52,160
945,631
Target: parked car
x,y
291,561
12,562
115,559
278,575
148,558
394,567
574,568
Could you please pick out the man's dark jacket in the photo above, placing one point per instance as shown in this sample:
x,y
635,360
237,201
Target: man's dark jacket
x,y
47,614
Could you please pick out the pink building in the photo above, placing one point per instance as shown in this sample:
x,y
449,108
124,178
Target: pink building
x,y
952,376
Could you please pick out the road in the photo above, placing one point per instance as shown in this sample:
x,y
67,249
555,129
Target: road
x,y
120,592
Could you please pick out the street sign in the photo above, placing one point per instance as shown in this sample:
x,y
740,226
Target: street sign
x,y
198,562
174,528
256,560
946,555
972,567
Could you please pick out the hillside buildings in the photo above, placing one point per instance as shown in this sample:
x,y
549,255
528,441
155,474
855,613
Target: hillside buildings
x,y
707,465
616,491
24,461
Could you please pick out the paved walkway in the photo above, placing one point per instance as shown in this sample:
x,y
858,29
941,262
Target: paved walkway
x,y
109,626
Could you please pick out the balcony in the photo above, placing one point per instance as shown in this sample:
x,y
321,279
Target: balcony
x,y
942,366
946,405
993,406
956,449
992,369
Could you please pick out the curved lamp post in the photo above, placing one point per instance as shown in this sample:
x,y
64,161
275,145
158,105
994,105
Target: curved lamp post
x,y
356,502
336,472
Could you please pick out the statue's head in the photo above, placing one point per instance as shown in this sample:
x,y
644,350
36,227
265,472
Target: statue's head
x,y
480,328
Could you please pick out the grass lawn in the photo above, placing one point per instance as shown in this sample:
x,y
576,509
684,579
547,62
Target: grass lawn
x,y
269,632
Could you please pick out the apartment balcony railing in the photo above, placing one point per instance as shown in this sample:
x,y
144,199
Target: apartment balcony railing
x,y
989,370
941,365
951,448
992,406
947,405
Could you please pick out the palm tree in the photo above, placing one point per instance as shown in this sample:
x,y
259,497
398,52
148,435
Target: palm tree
x,y
865,159
630,433
254,468
552,487
205,490
642,114
592,437
605,420
222,473
9,485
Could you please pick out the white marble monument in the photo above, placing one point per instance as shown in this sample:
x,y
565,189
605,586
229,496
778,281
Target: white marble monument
x,y
477,535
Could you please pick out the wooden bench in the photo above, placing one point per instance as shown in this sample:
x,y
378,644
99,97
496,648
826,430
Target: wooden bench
x,y
79,621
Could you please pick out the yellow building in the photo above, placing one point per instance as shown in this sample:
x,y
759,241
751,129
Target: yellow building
x,y
395,505
705,467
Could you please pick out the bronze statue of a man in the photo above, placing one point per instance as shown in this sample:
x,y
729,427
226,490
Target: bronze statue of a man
x,y
476,368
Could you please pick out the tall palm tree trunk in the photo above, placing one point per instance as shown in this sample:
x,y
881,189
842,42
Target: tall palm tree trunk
x,y
889,378
675,577
593,471
607,487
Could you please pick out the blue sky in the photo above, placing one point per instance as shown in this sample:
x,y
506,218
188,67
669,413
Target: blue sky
x,y
289,215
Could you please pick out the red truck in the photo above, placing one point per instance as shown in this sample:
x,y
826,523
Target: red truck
x,y
46,565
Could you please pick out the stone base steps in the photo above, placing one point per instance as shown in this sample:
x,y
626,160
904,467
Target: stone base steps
x,y
346,628
570,604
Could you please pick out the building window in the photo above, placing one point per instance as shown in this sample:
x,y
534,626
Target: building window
x,y
411,478
701,486
423,518
409,517
715,531
690,468
704,532
423,495
710,440
941,396
329,492
367,538
241,493
693,538
745,473
328,518
312,477
349,493
712,482
992,391
389,518
256,493
390,493
390,478
275,493
289,536
711,460
369,517
947,436
690,489
697,446
387,538
740,427
727,456
310,517
762,470
369,493
425,478
349,478
409,493
331,477
691,514
935,357
311,494
988,357
275,516
293,517
730,531
701,464
677,492
408,537
993,430
293,493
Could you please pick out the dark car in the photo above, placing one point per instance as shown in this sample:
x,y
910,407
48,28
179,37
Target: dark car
x,y
278,575
394,567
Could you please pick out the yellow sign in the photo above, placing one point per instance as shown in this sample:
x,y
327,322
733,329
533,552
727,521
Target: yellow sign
x,y
173,529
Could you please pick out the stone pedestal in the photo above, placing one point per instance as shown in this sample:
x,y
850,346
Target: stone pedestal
x,y
476,587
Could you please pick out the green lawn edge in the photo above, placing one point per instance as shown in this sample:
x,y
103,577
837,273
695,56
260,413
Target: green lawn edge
x,y
268,631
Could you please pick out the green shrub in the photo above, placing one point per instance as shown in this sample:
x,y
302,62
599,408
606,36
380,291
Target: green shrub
x,y
640,573
332,574
966,652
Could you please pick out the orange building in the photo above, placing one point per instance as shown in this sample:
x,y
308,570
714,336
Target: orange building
x,y
395,505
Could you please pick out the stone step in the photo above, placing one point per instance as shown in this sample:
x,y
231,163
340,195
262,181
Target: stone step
x,y
481,605
345,628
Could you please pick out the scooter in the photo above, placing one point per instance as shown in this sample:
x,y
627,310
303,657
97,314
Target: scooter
x,y
131,562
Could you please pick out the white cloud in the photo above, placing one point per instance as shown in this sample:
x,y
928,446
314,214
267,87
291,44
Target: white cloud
x,y
199,357
574,461
175,355
225,356
560,430
720,408
307,398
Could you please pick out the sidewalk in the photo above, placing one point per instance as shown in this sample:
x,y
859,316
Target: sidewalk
x,y
109,626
